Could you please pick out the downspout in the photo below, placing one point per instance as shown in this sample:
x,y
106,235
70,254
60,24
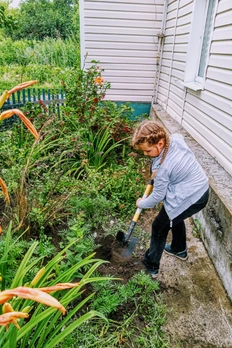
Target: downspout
x,y
161,37
173,51
82,32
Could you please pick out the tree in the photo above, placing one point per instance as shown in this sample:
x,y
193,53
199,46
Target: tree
x,y
43,18
6,21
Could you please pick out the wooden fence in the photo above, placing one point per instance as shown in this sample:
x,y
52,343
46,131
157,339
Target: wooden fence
x,y
52,99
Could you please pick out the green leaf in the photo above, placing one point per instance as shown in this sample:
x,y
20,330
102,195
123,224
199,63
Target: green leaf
x,y
73,326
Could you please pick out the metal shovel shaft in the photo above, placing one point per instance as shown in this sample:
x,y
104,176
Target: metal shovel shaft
x,y
137,213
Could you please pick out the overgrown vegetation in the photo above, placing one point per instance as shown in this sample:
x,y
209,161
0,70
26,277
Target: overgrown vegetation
x,y
64,188
48,61
78,181
39,40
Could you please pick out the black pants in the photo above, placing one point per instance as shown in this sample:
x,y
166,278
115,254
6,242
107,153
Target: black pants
x,y
160,229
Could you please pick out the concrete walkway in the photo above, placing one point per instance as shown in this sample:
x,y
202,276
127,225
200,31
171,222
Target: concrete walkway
x,y
199,311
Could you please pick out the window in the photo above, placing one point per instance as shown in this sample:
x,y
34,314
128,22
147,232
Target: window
x,y
199,43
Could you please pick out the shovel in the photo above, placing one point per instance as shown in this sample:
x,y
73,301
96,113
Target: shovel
x,y
126,240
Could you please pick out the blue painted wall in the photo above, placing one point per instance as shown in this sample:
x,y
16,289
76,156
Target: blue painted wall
x,y
139,108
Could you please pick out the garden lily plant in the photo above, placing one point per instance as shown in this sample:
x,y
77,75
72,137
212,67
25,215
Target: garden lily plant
x,y
9,113
33,325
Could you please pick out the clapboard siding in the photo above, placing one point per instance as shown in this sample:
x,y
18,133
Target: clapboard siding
x,y
222,34
122,36
122,15
146,55
225,62
132,2
207,114
139,32
221,75
122,23
213,99
211,110
112,8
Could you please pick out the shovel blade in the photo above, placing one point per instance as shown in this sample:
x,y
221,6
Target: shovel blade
x,y
129,247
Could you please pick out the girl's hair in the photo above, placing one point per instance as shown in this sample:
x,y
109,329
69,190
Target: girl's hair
x,y
150,132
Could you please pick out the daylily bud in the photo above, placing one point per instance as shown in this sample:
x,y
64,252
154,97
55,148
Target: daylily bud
x,y
26,309
38,276
6,308
3,98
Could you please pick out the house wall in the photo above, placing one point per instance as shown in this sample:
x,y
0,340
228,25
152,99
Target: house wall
x,y
122,36
207,114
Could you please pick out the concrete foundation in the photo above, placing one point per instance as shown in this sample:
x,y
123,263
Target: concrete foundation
x,y
216,219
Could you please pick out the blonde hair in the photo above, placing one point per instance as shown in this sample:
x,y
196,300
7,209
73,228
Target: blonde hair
x,y
150,132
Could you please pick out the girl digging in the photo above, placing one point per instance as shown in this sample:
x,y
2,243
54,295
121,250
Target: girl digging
x,y
180,183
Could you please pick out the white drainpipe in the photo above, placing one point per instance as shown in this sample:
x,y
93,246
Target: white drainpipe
x,y
161,37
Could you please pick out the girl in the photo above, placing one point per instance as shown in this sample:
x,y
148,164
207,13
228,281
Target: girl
x,y
179,182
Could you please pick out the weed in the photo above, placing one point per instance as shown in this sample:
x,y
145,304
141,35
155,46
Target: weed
x,y
197,229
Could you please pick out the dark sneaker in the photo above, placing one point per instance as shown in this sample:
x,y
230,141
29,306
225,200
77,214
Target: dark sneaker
x,y
182,255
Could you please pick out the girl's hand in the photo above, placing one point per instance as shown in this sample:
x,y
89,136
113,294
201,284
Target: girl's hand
x,y
137,202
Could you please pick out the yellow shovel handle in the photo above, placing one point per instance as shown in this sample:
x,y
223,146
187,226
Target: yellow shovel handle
x,y
145,195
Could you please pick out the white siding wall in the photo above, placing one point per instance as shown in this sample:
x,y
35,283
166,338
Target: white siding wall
x,y
121,35
207,114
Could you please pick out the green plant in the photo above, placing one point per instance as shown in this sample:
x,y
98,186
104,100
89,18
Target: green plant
x,y
141,316
44,329
197,228
77,229
84,91
99,145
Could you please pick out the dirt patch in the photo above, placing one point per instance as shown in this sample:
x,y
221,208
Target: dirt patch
x,y
119,266
199,313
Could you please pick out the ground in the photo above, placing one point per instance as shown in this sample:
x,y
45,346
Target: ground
x,y
199,313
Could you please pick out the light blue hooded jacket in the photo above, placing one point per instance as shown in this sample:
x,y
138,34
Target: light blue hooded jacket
x,y
180,181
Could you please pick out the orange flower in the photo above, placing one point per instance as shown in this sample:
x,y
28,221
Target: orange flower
x,y
31,294
5,192
60,286
99,80
12,317
28,124
21,86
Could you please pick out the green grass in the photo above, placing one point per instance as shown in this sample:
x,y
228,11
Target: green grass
x,y
47,61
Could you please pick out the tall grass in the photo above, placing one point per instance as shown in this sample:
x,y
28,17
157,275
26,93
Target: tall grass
x,y
45,61
54,52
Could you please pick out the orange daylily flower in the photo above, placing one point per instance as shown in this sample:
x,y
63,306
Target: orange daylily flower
x,y
31,294
60,286
99,80
28,124
0,229
5,192
21,86
12,317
